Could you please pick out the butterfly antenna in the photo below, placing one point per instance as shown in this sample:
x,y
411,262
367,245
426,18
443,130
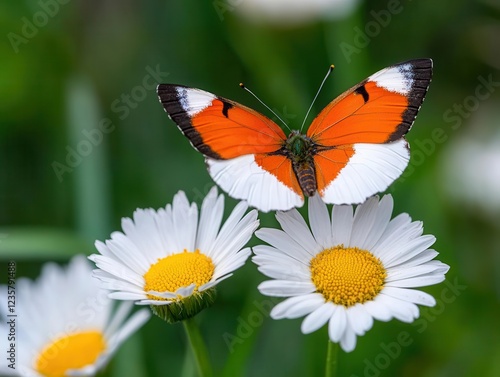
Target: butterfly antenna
x,y
267,107
316,96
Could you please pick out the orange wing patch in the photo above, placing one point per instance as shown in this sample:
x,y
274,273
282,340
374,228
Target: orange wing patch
x,y
217,127
329,164
365,113
281,168
233,130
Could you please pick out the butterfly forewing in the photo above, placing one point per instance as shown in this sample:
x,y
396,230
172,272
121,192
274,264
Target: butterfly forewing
x,y
217,127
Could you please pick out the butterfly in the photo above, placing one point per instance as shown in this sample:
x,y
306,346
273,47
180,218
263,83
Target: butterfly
x,y
352,150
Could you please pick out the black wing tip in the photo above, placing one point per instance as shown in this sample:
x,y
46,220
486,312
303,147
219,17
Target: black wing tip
x,y
422,75
171,99
168,88
418,63
421,68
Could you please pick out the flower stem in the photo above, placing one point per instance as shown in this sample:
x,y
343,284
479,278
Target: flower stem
x,y
331,359
198,347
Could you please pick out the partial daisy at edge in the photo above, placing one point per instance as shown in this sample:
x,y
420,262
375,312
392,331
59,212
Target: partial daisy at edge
x,y
175,256
65,324
348,270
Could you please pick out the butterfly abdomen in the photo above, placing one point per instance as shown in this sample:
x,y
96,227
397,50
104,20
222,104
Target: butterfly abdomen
x,y
306,175
300,149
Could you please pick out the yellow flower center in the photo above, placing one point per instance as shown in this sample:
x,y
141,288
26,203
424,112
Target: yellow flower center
x,y
73,351
177,271
347,276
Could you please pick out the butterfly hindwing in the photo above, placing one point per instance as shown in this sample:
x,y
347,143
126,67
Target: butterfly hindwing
x,y
363,170
266,182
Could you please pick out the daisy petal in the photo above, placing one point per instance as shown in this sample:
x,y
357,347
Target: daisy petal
x,y
284,288
185,221
423,257
212,210
295,307
403,272
402,310
320,221
337,324
364,220
378,310
421,281
359,319
317,318
283,242
348,341
342,220
269,255
228,245
131,326
297,229
410,295
383,216
284,273
126,296
409,250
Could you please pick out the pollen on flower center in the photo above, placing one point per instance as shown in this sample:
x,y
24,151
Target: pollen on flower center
x,y
347,276
177,271
73,351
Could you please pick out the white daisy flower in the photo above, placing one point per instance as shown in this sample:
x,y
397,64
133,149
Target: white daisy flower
x,y
350,270
64,323
167,259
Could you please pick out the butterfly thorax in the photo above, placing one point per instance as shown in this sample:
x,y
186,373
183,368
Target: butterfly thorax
x,y
300,149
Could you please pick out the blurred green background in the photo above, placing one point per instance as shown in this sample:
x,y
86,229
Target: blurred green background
x,y
71,68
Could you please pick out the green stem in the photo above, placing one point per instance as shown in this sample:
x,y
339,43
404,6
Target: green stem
x,y
331,359
198,347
